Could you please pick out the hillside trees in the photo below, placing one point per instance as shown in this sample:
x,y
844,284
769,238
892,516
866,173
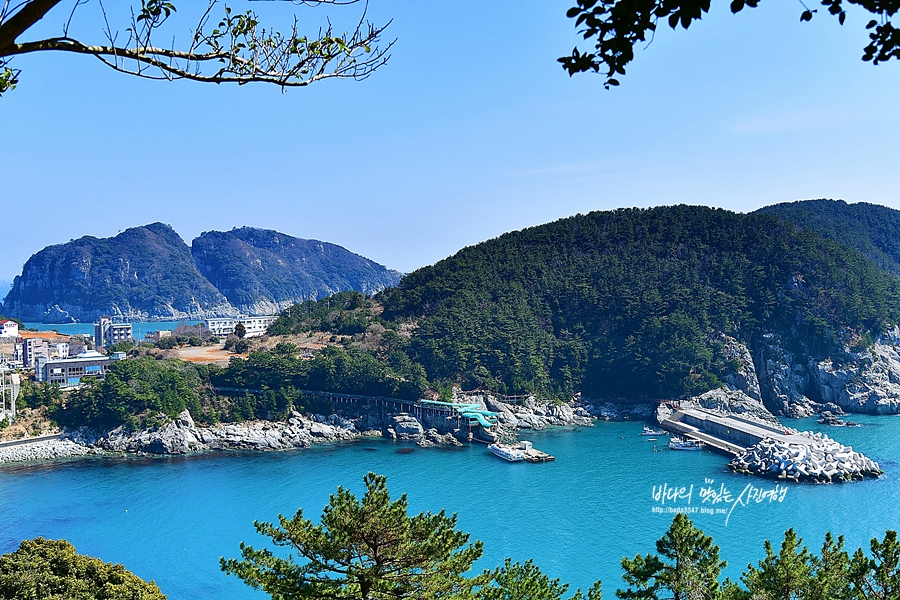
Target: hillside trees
x,y
224,45
616,26
630,302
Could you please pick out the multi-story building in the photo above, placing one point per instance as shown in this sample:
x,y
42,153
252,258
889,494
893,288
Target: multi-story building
x,y
59,350
9,328
69,372
32,350
9,391
107,333
155,336
253,326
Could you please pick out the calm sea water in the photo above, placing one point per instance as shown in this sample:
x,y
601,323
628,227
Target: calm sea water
x,y
139,329
170,519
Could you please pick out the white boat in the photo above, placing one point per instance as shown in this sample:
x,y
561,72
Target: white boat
x,y
656,432
685,444
510,453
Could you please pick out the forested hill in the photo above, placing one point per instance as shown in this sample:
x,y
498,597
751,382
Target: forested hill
x,y
873,230
262,271
149,273
631,302
142,272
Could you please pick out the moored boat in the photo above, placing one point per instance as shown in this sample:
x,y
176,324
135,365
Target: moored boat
x,y
509,453
653,432
685,444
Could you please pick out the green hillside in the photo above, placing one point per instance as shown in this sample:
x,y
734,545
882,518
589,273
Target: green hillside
x,y
873,230
627,302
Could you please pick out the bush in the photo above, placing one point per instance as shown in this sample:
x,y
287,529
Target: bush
x,y
52,569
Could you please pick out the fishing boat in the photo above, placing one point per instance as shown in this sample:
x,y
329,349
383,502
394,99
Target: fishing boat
x,y
652,432
685,444
509,453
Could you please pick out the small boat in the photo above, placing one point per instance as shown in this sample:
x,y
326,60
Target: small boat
x,y
648,431
685,444
651,439
510,453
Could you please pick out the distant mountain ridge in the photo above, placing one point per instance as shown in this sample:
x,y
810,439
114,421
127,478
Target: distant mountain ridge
x,y
263,271
149,273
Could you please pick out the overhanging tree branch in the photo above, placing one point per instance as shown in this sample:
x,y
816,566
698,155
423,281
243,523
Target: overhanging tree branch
x,y
616,26
238,49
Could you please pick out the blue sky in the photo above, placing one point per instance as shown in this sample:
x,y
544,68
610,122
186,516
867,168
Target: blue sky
x,y
471,130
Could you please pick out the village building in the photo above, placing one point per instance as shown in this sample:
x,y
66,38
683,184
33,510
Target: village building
x,y
72,371
253,326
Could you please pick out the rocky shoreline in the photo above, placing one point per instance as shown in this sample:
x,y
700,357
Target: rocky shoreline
x,y
182,435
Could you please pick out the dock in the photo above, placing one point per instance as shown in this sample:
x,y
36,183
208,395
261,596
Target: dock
x,y
534,455
729,434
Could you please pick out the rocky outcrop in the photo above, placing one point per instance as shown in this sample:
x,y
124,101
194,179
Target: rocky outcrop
x,y
143,273
743,376
405,428
148,273
46,450
182,436
726,400
869,382
863,380
262,271
530,412
818,459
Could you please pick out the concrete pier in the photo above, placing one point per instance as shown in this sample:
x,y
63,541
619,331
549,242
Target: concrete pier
x,y
731,434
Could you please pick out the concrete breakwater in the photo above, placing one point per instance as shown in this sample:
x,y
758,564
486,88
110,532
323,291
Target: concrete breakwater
x,y
769,449
821,460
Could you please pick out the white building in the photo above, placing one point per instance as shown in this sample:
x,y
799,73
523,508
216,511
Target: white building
x,y
9,391
9,328
253,326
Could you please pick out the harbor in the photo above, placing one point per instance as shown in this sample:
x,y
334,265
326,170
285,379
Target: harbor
x,y
771,450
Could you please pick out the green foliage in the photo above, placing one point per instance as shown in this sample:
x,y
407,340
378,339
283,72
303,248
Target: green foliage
x,y
368,549
627,302
240,331
33,394
871,229
616,26
351,371
52,570
515,581
687,566
344,313
124,346
878,577
134,390
786,575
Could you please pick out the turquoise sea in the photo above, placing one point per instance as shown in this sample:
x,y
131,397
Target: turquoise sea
x,y
139,329
170,519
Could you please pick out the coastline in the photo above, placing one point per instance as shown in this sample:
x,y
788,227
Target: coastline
x,y
182,436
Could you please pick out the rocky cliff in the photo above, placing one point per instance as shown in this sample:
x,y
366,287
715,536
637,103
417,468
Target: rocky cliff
x,y
141,274
148,273
262,271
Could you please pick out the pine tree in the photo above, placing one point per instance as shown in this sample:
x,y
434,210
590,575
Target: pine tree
x,y
686,568
878,578
363,550
782,576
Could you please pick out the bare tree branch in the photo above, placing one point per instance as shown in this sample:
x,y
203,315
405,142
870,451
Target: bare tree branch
x,y
238,49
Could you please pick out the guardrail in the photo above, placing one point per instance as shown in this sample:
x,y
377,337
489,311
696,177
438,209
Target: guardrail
x,y
34,440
